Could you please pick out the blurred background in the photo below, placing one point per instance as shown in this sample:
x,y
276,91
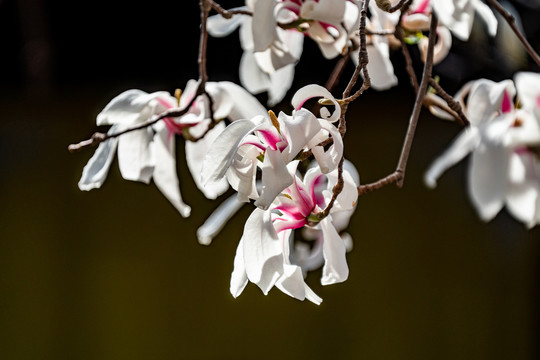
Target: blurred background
x,y
116,273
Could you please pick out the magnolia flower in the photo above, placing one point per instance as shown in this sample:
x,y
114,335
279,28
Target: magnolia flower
x,y
270,145
458,16
264,256
255,73
149,153
497,138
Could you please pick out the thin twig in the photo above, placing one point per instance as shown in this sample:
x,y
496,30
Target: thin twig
x,y
363,60
399,34
227,14
512,22
399,174
454,105
98,138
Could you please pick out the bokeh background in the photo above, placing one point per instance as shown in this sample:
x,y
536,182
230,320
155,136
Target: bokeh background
x,y
116,273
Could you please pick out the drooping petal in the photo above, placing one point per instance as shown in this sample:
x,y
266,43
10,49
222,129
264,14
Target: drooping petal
x,y
222,152
456,15
217,220
165,175
488,179
251,76
380,68
523,188
239,277
264,30
195,153
134,157
96,170
292,283
335,269
329,11
262,250
461,147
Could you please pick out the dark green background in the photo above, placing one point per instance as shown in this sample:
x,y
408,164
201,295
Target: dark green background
x,y
116,273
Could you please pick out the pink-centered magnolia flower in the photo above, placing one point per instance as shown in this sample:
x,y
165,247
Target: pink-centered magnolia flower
x,y
264,254
149,153
502,170
246,145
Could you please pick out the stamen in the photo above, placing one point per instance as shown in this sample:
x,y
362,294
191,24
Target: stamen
x,y
178,95
274,120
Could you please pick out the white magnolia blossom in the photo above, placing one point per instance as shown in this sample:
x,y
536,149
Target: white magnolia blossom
x,y
502,169
254,72
246,145
264,256
272,38
149,153
456,15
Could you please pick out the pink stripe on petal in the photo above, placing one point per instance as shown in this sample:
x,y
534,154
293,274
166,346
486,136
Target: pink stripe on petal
x,y
289,225
260,146
506,105
538,101
270,138
422,8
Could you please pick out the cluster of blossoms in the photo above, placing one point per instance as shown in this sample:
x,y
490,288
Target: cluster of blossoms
x,y
231,140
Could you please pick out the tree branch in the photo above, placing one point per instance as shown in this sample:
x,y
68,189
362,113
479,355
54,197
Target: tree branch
x,y
512,22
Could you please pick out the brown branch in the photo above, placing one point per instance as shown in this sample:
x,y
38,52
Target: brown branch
x,y
363,60
454,105
399,174
337,72
227,14
512,22
336,190
399,34
98,138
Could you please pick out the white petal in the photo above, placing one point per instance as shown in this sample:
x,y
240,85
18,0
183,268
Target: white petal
x,y
487,179
487,15
311,91
458,17
528,88
129,107
217,220
223,150
329,160
165,176
265,24
239,277
134,157
292,283
263,251
195,153
523,191
461,147
335,268
251,76
219,26
275,178
380,68
485,99
298,129
96,170
329,11
280,83
244,105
